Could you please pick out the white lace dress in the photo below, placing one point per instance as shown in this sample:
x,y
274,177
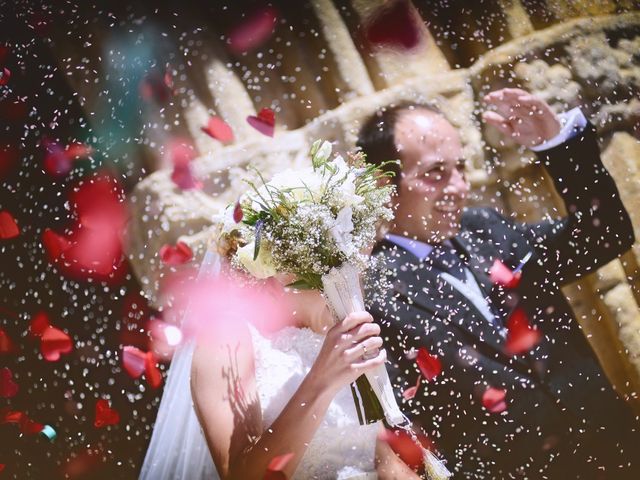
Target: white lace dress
x,y
341,448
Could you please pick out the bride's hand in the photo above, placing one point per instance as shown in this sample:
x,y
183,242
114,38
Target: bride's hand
x,y
350,348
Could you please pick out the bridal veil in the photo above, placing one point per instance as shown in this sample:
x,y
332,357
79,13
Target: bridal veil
x,y
178,449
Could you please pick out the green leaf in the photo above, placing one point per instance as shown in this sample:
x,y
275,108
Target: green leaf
x,y
300,285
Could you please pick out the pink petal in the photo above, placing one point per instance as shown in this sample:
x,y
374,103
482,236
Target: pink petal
x,y
53,343
218,129
133,361
264,122
8,226
176,255
521,336
237,213
39,323
410,392
494,400
501,275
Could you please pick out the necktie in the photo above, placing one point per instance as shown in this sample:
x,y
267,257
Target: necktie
x,y
446,259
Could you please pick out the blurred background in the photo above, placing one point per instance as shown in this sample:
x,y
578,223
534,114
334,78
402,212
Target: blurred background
x,y
125,128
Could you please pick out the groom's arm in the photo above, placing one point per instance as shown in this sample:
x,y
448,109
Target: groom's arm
x,y
597,228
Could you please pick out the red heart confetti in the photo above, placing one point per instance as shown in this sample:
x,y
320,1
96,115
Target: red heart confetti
x,y
8,388
276,467
105,415
133,361
429,365
39,323
218,129
53,343
237,213
151,371
395,26
6,345
410,451
54,244
30,427
8,226
411,392
5,75
8,157
264,122
500,274
521,336
494,400
95,245
179,254
253,31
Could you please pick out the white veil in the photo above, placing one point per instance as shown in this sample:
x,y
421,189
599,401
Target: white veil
x,y
178,449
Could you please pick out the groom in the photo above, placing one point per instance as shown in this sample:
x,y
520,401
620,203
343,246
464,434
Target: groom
x,y
549,410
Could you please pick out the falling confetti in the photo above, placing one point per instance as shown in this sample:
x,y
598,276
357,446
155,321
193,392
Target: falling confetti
x,y
8,226
429,365
8,387
411,392
521,336
53,343
501,275
264,122
218,129
394,25
276,467
105,415
494,400
177,254
253,31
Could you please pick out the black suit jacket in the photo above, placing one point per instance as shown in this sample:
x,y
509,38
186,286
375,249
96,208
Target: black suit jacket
x,y
561,409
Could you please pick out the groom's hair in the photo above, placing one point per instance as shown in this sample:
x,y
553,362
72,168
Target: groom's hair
x,y
377,135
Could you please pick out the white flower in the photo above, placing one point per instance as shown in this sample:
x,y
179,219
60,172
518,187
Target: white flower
x,y
341,230
320,152
261,267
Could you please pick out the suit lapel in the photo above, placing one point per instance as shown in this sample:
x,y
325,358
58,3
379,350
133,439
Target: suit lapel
x,y
422,285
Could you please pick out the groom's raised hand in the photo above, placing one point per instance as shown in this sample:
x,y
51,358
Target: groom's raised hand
x,y
522,116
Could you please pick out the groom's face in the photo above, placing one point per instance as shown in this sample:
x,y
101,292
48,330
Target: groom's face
x,y
433,187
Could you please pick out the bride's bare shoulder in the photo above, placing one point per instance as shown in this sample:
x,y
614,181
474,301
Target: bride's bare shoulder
x,y
217,354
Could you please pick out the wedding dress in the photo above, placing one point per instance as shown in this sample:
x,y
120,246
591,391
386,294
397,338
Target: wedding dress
x,y
340,449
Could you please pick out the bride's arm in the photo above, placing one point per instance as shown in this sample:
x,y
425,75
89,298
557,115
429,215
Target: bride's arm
x,y
226,402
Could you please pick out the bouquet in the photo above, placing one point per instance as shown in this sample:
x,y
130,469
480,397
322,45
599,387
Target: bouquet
x,y
316,223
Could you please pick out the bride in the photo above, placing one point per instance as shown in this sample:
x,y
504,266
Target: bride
x,y
231,405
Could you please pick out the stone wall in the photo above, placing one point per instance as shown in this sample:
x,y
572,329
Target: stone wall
x,y
571,53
